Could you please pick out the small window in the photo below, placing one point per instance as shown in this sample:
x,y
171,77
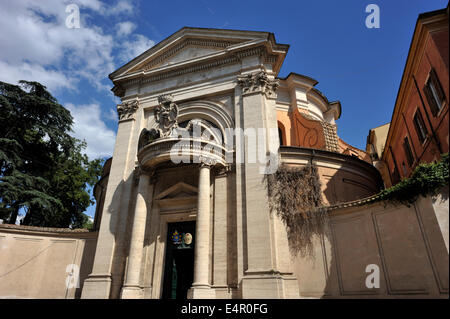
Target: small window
x,y
408,152
420,126
434,93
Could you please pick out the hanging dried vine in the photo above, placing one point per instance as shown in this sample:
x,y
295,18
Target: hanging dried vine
x,y
296,197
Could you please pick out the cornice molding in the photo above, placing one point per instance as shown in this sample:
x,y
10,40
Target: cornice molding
x,y
202,43
225,57
182,71
215,37
230,58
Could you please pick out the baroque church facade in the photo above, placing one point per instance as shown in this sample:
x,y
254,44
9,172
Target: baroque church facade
x,y
185,208
201,227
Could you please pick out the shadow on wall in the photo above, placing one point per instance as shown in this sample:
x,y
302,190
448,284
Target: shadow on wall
x,y
120,224
341,186
87,261
112,243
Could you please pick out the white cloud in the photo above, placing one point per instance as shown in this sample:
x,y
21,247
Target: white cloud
x,y
88,126
135,47
122,7
54,80
112,115
37,46
38,42
125,28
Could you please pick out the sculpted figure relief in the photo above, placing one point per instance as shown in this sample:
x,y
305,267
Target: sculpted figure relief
x,y
166,114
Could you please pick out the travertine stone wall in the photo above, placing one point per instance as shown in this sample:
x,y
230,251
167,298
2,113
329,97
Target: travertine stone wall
x,y
407,244
35,262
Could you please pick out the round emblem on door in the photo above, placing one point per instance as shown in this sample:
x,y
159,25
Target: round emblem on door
x,y
176,238
187,238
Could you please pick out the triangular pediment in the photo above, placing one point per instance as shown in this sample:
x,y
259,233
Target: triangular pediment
x,y
179,190
191,45
186,50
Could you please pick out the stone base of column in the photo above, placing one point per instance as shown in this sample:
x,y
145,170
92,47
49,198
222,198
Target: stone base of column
x,y
201,292
131,292
97,287
270,286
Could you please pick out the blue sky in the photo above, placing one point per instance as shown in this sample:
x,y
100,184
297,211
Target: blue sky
x,y
328,41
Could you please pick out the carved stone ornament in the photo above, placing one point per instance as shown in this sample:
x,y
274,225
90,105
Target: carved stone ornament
x,y
118,90
127,109
206,161
166,114
224,170
258,82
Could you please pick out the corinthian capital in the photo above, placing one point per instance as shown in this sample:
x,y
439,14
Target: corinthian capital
x,y
258,82
127,109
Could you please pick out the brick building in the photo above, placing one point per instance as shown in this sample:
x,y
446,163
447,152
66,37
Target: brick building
x,y
419,126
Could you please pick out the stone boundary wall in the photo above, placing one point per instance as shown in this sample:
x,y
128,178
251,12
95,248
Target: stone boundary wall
x,y
42,262
409,246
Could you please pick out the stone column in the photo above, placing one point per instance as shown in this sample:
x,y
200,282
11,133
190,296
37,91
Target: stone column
x,y
100,283
201,287
131,288
263,277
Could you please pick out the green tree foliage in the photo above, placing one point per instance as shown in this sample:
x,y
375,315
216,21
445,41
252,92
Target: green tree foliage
x,y
42,169
427,179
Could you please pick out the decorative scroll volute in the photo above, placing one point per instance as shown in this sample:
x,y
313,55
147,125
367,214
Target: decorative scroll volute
x,y
308,133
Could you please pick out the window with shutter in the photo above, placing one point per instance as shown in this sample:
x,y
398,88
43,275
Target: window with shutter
x,y
434,93
408,152
419,124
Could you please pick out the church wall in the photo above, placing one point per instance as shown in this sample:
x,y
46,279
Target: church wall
x,y
36,262
343,178
407,245
243,251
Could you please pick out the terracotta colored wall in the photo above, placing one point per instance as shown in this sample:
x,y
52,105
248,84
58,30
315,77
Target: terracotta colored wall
x,y
436,49
300,131
284,122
